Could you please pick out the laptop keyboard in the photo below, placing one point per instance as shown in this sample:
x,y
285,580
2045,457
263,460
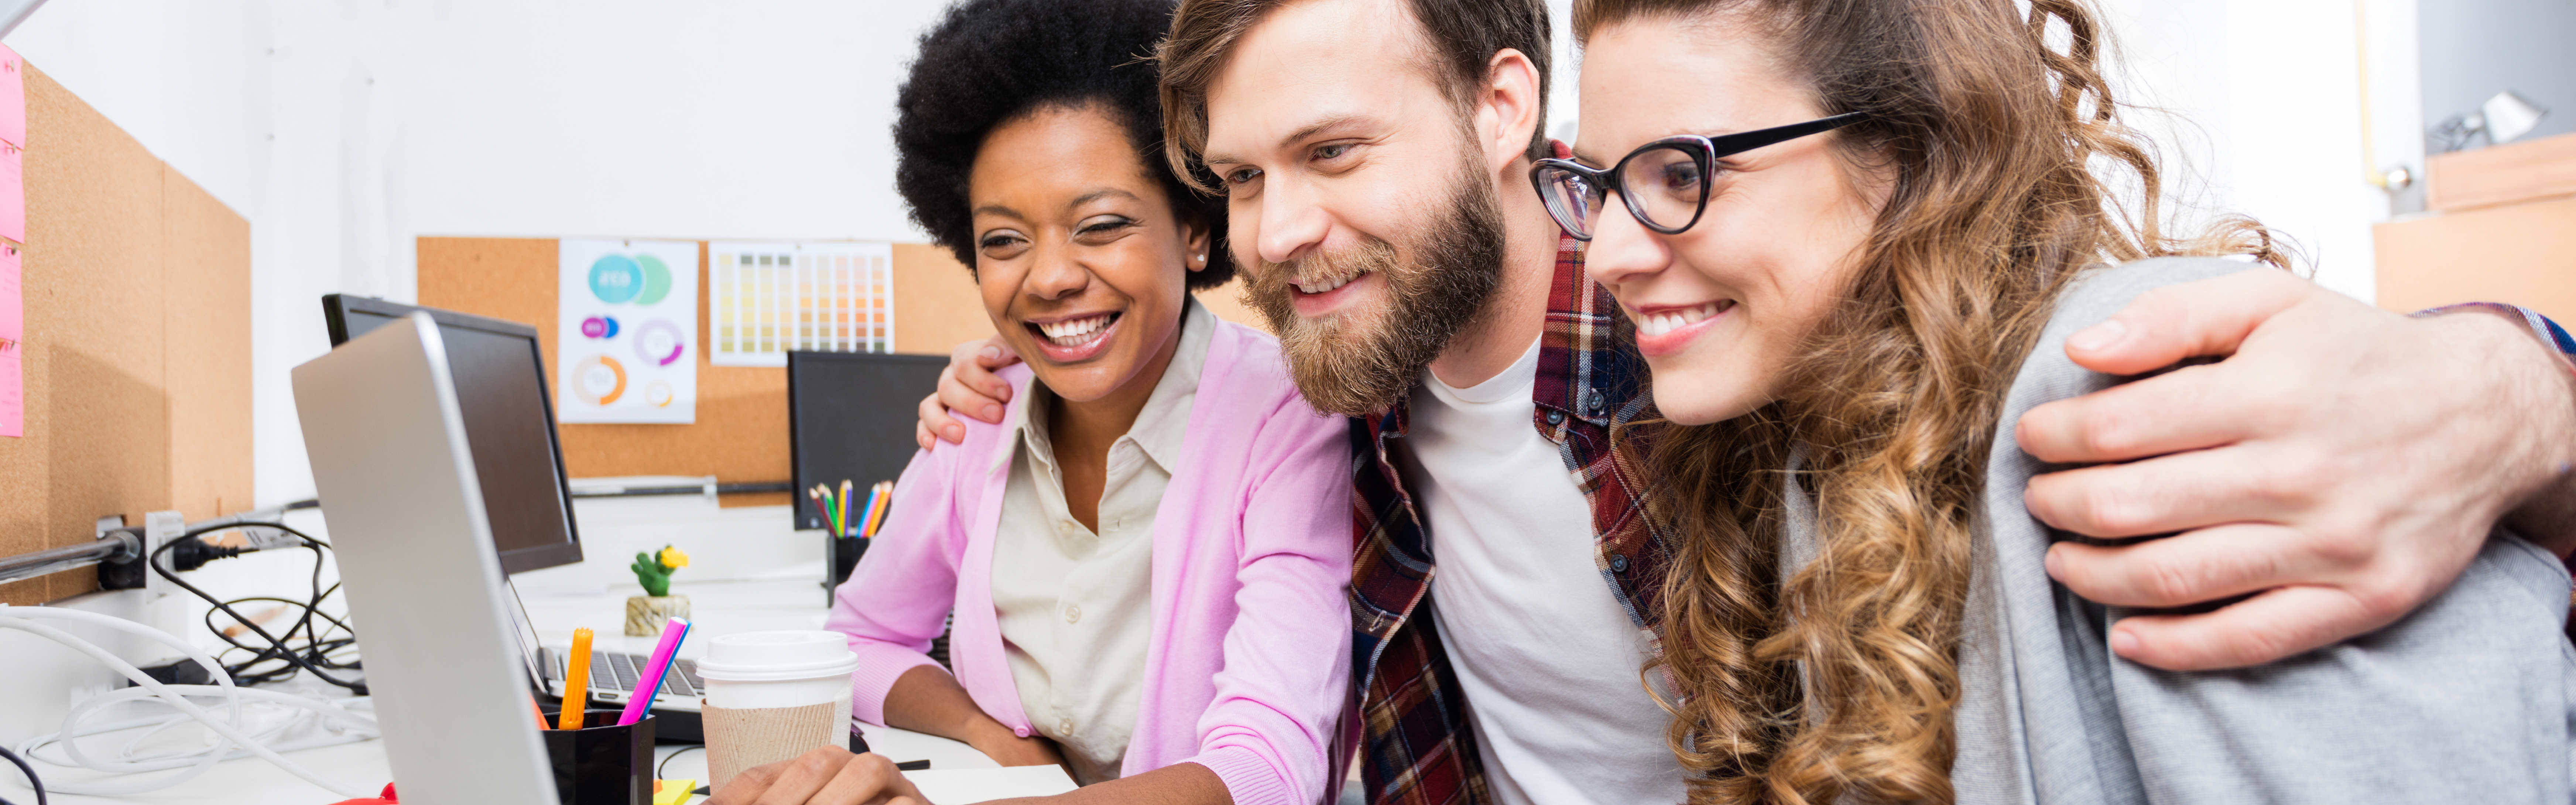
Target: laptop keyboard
x,y
618,673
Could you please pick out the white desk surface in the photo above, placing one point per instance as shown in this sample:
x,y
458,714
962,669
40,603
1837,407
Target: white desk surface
x,y
720,607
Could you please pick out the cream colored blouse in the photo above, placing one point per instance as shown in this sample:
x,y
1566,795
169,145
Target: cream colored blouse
x,y
1075,606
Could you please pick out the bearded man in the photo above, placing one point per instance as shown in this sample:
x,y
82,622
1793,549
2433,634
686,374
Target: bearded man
x,y
1377,153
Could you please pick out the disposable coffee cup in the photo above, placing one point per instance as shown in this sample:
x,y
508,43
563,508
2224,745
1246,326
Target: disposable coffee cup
x,y
772,696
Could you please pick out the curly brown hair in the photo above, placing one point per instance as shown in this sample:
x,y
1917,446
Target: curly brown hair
x,y
1838,682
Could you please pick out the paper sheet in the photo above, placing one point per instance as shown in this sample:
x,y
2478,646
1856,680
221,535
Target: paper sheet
x,y
626,332
978,785
766,299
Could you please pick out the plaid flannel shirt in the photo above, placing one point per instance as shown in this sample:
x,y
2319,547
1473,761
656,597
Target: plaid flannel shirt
x,y
1419,750
1418,747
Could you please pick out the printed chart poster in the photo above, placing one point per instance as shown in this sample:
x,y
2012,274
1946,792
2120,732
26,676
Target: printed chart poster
x,y
626,332
767,299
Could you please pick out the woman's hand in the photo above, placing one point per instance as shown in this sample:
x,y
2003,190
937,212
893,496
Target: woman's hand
x,y
826,776
967,388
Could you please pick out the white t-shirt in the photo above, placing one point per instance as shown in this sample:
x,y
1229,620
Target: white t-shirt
x,y
1545,653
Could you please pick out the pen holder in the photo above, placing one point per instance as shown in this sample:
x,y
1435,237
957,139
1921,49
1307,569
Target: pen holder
x,y
602,763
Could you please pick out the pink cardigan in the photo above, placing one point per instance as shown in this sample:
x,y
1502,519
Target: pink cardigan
x,y
1248,665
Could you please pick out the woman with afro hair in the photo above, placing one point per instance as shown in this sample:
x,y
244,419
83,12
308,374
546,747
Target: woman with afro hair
x,y
1146,558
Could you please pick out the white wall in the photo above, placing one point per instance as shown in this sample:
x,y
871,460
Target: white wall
x,y
344,130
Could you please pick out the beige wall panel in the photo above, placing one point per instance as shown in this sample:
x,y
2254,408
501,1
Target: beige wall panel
x,y
935,302
2523,253
94,296
207,254
741,432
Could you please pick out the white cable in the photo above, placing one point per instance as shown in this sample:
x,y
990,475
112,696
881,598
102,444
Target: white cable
x,y
229,732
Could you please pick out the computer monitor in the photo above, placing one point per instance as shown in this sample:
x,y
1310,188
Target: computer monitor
x,y
391,463
850,418
509,420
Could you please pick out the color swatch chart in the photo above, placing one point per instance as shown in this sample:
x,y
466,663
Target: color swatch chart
x,y
767,299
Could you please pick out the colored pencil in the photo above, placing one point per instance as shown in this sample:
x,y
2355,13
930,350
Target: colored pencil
x,y
845,511
540,710
576,695
867,516
649,684
880,500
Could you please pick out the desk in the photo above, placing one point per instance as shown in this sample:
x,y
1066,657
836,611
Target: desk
x,y
791,600
255,782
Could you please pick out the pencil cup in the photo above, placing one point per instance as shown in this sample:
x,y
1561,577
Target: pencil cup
x,y
772,696
602,763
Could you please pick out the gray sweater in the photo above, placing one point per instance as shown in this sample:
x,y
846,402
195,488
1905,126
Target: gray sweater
x,y
2468,699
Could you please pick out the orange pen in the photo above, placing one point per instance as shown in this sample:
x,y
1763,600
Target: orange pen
x,y
540,710
576,693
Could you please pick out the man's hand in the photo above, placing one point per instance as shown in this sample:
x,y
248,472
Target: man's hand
x,y
826,776
2343,463
968,388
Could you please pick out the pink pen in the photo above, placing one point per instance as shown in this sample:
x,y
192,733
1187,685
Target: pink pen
x,y
649,684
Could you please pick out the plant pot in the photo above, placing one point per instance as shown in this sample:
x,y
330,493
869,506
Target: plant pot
x,y
646,614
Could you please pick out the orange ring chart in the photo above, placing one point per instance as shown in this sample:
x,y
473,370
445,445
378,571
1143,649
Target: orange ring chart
x,y
599,380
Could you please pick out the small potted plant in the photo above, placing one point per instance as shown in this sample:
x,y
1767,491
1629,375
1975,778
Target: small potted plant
x,y
645,614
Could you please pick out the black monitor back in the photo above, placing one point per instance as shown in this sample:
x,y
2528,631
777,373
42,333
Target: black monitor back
x,y
509,424
850,418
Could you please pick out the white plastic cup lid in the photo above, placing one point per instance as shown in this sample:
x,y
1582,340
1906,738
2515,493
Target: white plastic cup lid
x,y
775,656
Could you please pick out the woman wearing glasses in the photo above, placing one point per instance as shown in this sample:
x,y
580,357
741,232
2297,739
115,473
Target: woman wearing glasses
x,y
1145,559
1855,237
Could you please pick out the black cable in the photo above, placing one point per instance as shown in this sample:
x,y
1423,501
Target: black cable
x,y
359,688
666,762
32,781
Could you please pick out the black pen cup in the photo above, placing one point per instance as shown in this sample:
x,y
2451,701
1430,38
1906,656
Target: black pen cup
x,y
602,763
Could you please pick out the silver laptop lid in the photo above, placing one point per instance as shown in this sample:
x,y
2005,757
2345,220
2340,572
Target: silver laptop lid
x,y
399,493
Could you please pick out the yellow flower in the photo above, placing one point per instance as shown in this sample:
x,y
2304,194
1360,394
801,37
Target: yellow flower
x,y
672,558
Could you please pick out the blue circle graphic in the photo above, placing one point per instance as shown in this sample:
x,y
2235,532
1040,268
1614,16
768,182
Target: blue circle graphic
x,y
616,279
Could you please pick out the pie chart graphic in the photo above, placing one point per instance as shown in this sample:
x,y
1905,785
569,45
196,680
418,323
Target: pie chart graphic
x,y
617,278
599,380
658,342
658,394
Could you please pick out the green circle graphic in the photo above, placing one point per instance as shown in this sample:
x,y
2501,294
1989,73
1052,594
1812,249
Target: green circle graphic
x,y
657,279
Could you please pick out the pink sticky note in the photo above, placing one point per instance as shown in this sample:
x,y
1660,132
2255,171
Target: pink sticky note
x,y
13,193
13,329
13,311
13,97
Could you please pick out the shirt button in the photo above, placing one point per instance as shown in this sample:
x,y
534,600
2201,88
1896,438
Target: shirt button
x,y
1555,417
1073,613
1618,563
1020,731
1064,727
1592,401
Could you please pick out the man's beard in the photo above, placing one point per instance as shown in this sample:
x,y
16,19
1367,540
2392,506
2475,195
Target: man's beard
x,y
1362,359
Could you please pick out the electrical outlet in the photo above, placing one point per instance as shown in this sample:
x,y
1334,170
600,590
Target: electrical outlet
x,y
160,528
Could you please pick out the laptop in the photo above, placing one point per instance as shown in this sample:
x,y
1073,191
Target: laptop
x,y
498,373
419,564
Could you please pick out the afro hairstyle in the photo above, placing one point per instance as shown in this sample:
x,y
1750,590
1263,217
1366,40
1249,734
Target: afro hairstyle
x,y
989,62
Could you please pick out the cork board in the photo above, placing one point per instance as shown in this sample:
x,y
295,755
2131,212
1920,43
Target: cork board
x,y
137,356
741,432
